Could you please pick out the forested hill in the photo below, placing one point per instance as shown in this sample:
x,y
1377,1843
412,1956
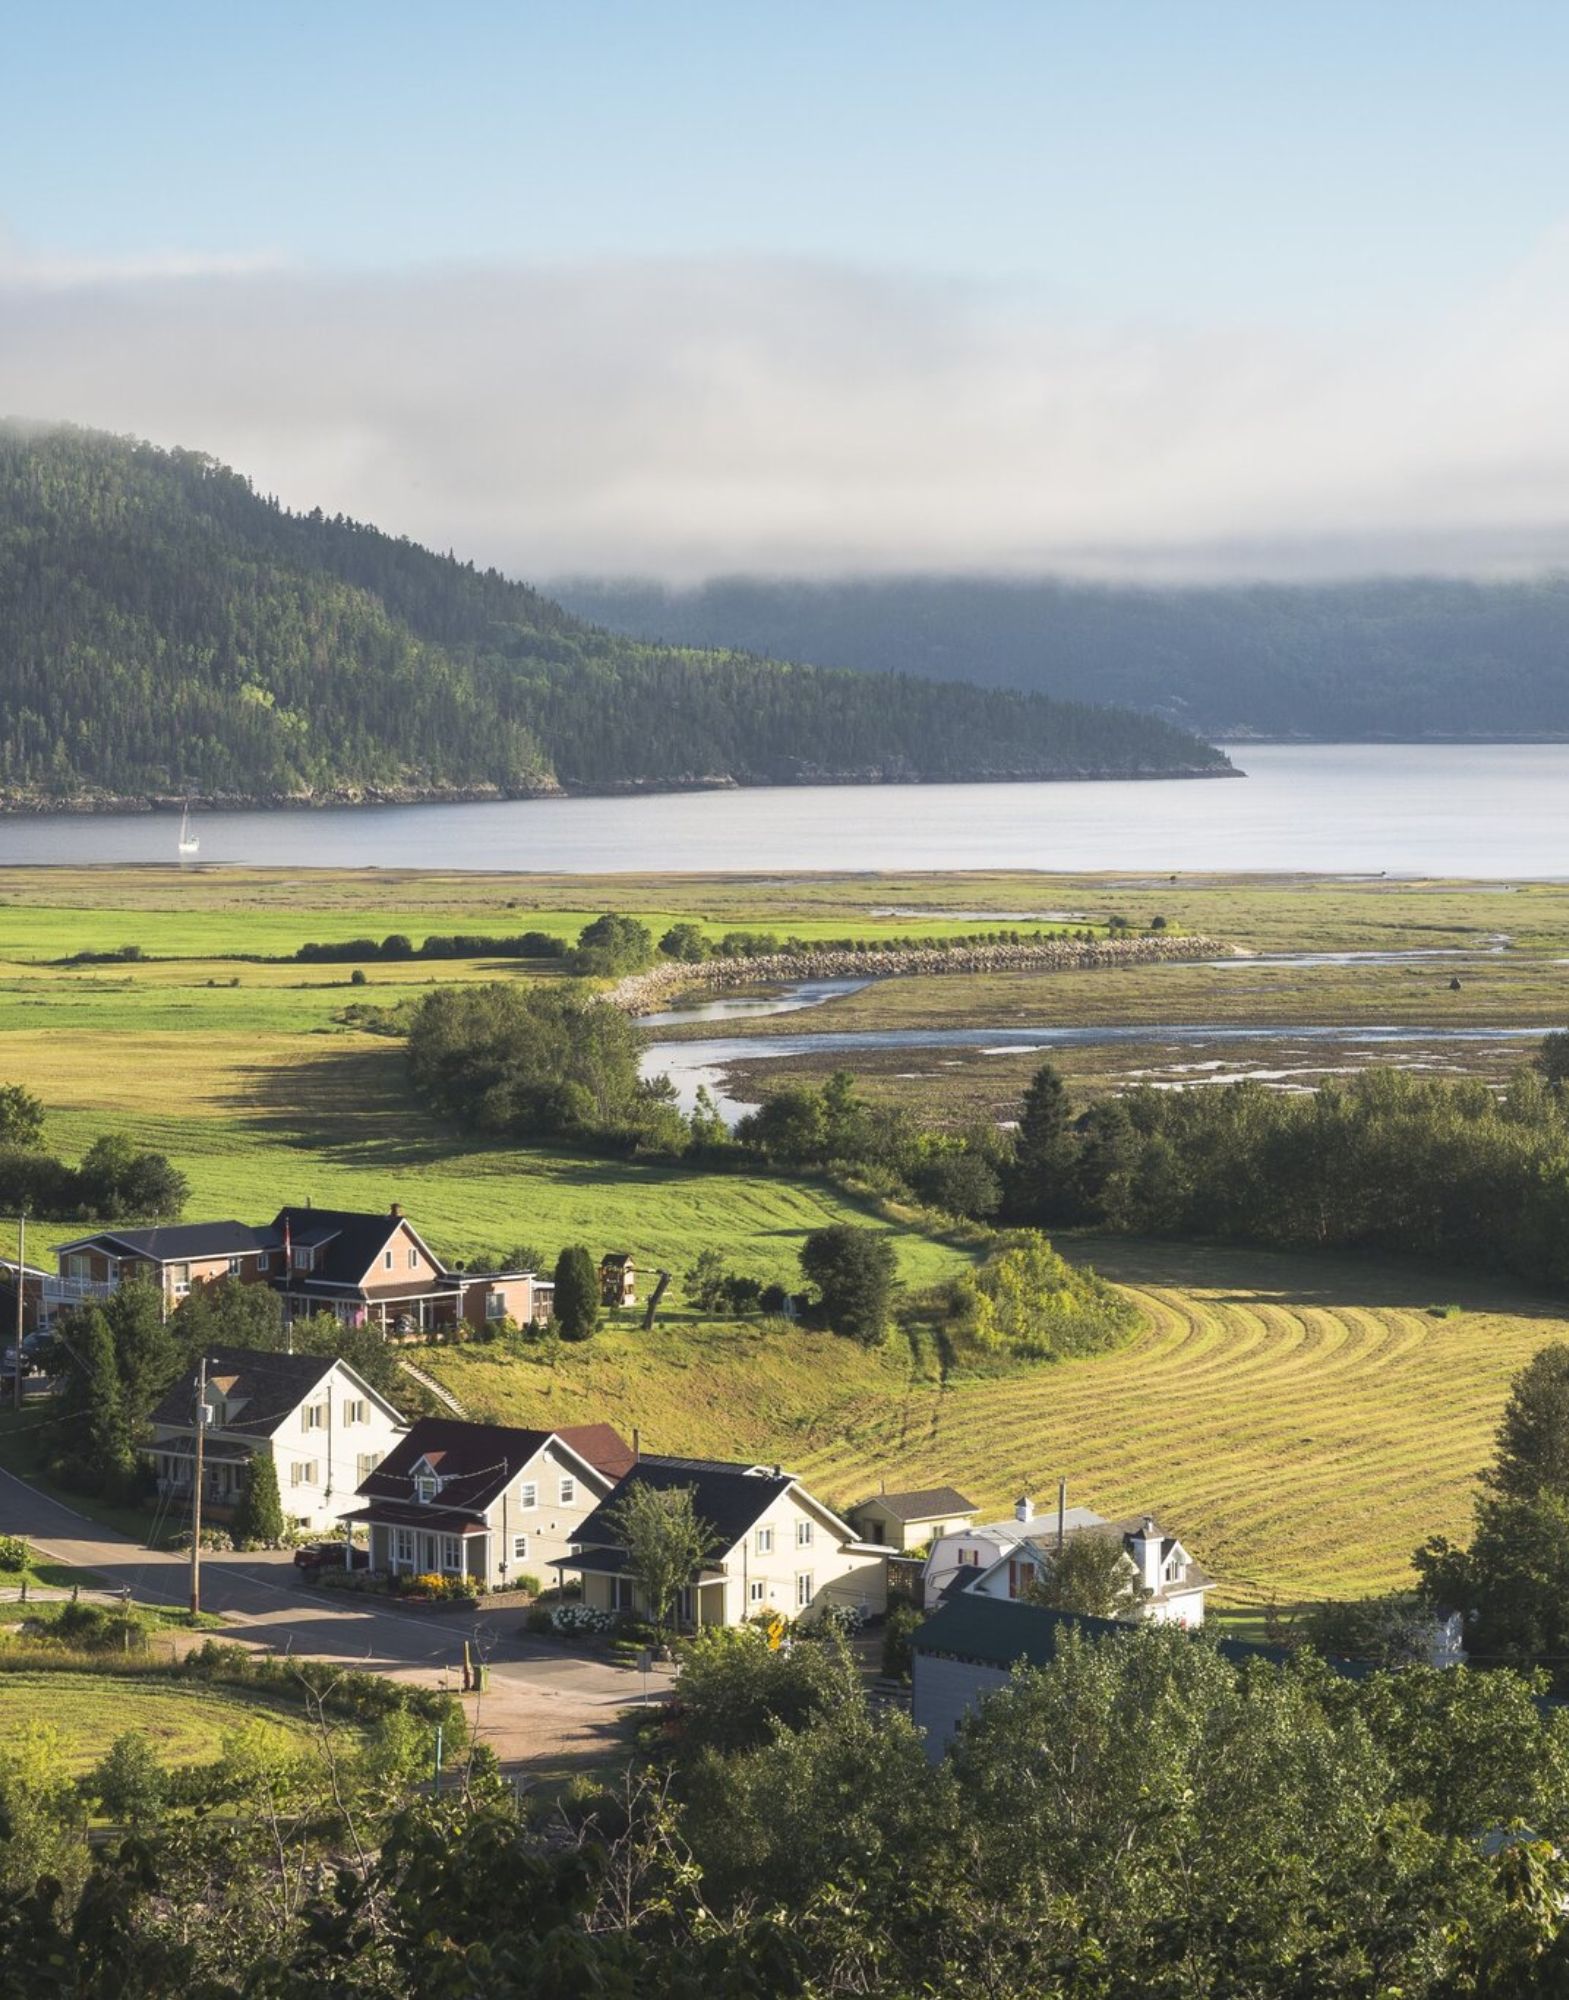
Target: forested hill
x,y
1402,659
166,630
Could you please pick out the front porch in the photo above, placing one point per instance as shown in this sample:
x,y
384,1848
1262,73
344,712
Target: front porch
x,y
409,1549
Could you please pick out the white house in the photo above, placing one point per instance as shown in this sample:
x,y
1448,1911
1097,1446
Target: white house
x,y
1169,1583
909,1521
966,1550
486,1500
322,1425
774,1548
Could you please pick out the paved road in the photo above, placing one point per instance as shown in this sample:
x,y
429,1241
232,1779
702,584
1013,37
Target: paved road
x,y
546,1705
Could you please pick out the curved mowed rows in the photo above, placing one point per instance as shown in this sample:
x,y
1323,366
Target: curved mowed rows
x,y
1304,1422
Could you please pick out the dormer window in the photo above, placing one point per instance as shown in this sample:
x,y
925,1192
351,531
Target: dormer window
x,y
426,1487
302,1260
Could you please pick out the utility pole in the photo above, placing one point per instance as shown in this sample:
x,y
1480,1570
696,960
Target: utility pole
x,y
196,1491
21,1292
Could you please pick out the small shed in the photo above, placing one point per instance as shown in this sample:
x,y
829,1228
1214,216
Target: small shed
x,y
910,1520
617,1279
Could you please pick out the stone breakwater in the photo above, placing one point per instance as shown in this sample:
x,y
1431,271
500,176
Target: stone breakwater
x,y
648,992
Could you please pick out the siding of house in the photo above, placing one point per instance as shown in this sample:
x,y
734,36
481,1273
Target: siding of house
x,y
516,1296
946,1691
876,1524
522,1537
319,1465
795,1579
409,1264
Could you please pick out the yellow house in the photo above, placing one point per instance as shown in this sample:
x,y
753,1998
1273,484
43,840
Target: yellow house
x,y
774,1547
905,1521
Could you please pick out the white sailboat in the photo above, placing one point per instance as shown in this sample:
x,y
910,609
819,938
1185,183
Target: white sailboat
x,y
189,844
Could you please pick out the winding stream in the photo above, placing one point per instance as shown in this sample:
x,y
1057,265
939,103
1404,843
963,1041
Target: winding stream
x,y
695,1065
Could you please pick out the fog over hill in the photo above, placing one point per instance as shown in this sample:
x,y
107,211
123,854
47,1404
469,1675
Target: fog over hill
x,y
1403,659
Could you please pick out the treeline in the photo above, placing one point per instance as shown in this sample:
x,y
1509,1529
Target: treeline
x,y
1142,1819
1395,657
1436,1168
164,629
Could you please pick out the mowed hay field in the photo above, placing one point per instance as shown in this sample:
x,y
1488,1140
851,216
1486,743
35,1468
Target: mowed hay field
x,y
85,1712
1303,1422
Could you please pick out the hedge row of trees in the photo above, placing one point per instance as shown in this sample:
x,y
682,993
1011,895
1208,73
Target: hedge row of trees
x,y
1443,1169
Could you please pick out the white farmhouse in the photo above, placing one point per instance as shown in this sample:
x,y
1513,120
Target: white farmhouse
x,y
774,1547
322,1425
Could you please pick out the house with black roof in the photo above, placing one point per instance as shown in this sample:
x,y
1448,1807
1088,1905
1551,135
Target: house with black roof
x,y
486,1501
174,1257
366,1269
323,1426
775,1548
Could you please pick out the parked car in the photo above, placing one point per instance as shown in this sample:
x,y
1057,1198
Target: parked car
x,y
35,1353
310,1558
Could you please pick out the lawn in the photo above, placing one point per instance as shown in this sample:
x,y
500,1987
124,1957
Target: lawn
x,y
184,1724
1303,1422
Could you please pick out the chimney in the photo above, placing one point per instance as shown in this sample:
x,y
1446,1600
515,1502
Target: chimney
x,y
396,1211
637,1445
1146,1554
1024,1508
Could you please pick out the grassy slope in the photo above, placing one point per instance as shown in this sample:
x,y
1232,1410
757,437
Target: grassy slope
x,y
1304,1422
184,1725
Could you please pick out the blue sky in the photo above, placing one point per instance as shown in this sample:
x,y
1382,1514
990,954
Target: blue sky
x,y
1164,158
1107,188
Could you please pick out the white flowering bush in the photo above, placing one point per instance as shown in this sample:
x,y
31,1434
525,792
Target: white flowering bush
x,y
581,1618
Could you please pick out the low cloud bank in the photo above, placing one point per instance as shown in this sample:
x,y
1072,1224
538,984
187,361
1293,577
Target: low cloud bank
x,y
683,420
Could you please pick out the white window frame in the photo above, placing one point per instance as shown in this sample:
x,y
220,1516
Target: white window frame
x,y
805,1590
314,1417
355,1411
402,1547
236,1266
426,1487
302,1260
303,1472
413,1258
450,1555
264,1261
386,1261
756,1592
566,1491
528,1495
803,1534
495,1305
365,1464
520,1548
765,1541
623,1594
180,1279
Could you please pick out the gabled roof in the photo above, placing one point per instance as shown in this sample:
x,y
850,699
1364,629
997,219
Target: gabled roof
x,y
348,1241
1004,1633
1041,1543
935,1503
728,1497
173,1243
476,1462
261,1389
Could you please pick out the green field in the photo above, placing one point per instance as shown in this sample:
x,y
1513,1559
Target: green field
x,y
1303,1422
184,1724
